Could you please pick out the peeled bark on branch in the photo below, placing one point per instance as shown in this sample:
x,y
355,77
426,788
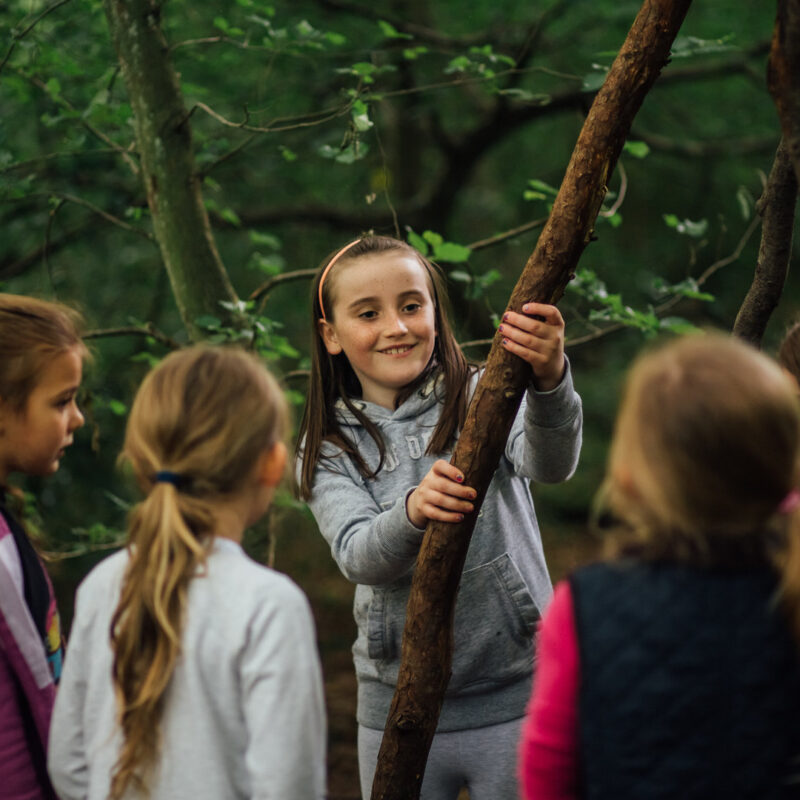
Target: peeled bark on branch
x,y
427,637
776,207
198,277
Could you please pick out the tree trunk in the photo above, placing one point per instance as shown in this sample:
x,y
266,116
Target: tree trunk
x,y
776,207
427,637
783,76
163,136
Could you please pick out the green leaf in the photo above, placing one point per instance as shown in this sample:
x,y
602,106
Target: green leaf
x,y
490,277
592,81
461,276
677,325
451,252
266,239
746,202
541,186
229,215
336,39
685,46
432,238
636,149
390,32
687,227
458,64
412,53
524,96
208,321
415,240
671,220
117,407
360,115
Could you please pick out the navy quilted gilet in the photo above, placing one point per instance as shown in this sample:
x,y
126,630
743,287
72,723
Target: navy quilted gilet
x,y
690,684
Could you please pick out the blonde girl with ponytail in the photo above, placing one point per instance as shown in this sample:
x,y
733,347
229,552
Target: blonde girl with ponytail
x,y
672,669
192,670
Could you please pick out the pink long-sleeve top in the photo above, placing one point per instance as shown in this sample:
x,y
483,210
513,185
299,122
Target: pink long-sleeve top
x,y
548,756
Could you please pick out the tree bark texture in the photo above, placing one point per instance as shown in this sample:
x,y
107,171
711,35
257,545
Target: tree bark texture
x,y
776,207
783,76
427,636
198,277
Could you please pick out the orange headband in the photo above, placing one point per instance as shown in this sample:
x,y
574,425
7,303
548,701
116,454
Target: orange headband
x,y
328,269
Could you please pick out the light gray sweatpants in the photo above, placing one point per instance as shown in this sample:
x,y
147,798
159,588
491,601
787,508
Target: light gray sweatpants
x,y
482,759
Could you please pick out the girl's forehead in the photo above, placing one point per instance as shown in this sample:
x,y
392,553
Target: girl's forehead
x,y
64,369
389,271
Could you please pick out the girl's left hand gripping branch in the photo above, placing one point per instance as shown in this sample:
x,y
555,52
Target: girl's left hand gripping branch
x,y
537,337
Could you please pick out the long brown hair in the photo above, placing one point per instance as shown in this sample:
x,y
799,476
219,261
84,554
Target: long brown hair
x,y
706,447
205,415
333,378
32,333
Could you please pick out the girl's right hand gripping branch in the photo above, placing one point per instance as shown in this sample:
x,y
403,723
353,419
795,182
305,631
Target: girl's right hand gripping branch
x,y
441,495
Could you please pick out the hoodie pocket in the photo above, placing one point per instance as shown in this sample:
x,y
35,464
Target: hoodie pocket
x,y
494,624
495,618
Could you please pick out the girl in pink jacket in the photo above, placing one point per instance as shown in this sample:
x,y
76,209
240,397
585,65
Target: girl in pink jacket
x,y
41,360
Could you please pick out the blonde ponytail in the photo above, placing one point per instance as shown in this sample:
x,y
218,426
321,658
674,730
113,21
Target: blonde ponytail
x,y
204,415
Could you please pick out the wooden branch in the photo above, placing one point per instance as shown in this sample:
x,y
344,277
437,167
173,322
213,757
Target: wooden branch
x,y
783,76
776,207
427,637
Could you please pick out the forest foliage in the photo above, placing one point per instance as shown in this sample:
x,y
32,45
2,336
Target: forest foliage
x,y
315,120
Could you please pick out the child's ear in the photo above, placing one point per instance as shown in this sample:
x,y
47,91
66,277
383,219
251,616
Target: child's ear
x,y
272,465
329,337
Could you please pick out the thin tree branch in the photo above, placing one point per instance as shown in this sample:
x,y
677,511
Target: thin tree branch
x,y
71,198
10,269
261,292
50,220
509,234
667,305
776,207
83,549
265,288
148,330
623,188
16,37
62,101
690,148
332,114
226,156
55,156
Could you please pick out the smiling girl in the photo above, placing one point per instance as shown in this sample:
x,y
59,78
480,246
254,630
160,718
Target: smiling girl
x,y
388,396
41,360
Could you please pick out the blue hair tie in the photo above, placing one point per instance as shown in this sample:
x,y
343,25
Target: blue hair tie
x,y
165,476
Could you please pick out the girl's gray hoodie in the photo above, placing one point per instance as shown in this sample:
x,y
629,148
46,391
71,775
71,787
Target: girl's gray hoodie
x,y
505,585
